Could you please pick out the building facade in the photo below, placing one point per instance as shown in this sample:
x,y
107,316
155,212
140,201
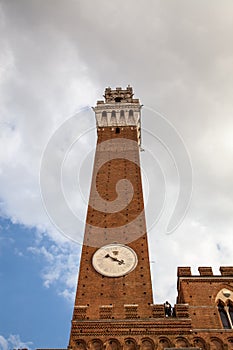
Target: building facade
x,y
114,307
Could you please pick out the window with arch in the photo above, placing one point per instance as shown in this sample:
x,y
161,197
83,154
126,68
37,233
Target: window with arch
x,y
104,119
224,303
230,310
113,118
131,113
223,315
131,117
122,117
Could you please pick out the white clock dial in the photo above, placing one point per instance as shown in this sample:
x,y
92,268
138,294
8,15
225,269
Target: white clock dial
x,y
114,260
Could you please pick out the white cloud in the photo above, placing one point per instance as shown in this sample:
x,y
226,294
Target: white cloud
x,y
3,343
61,266
14,341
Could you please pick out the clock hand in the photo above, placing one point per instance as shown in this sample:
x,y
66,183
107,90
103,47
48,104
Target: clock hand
x,y
120,262
111,257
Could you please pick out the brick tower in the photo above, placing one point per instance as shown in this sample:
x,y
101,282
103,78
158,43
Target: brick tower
x,y
114,308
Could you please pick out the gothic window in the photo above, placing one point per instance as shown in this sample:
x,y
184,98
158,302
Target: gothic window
x,y
131,117
223,315
224,301
104,120
230,311
122,117
113,118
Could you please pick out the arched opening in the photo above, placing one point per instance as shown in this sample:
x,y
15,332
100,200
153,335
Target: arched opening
x,y
113,118
199,343
118,130
130,344
230,311
104,119
181,342
118,99
131,113
112,344
80,345
95,344
216,344
122,118
131,117
164,343
147,344
223,315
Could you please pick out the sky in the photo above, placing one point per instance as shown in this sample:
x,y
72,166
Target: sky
x,y
56,59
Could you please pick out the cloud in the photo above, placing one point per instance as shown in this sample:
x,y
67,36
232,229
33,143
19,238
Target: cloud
x,y
14,341
3,343
61,266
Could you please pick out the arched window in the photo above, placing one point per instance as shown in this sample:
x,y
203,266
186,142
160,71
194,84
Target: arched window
x,y
131,113
224,302
230,311
131,117
113,118
122,118
104,120
224,317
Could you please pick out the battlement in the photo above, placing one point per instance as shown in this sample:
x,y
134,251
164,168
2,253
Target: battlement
x,y
226,271
157,311
119,95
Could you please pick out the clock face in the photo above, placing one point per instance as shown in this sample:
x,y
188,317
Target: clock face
x,y
114,260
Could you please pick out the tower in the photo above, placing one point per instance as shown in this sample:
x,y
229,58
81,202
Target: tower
x,y
113,305
114,271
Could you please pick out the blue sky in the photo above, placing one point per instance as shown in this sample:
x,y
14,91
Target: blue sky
x,y
57,58
28,308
